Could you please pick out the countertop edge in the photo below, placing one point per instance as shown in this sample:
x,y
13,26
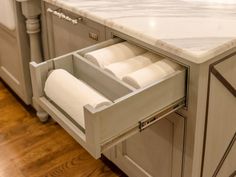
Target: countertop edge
x,y
192,57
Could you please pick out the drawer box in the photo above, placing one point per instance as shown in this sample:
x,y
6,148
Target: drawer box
x,y
131,110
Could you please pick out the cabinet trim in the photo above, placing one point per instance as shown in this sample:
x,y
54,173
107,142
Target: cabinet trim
x,y
223,80
122,159
207,106
233,174
219,166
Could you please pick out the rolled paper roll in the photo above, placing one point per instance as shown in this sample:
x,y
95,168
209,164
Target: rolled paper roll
x,y
71,94
151,74
113,53
125,67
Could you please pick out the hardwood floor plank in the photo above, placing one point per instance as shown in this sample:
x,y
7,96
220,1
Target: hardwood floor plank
x,y
29,148
80,166
11,171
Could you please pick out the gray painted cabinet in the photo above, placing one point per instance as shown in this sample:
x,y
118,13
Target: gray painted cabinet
x,y
15,56
157,151
220,152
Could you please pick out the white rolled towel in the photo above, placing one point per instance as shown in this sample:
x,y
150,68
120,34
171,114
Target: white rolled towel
x,y
151,73
125,67
71,94
114,53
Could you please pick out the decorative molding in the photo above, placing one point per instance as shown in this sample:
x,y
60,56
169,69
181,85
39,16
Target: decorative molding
x,y
222,79
219,166
233,174
207,109
31,9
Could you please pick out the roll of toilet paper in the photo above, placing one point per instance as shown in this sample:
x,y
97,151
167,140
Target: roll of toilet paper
x,y
151,73
7,14
71,94
113,53
125,67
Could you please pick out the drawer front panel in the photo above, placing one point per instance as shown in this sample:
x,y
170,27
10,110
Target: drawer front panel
x,y
65,36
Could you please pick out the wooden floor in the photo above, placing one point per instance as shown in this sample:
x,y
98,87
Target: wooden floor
x,y
29,148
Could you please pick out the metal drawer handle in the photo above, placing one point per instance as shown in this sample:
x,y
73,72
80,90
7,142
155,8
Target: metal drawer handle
x,y
61,15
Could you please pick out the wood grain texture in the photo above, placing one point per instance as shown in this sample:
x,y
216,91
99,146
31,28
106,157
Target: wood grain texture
x,y
29,148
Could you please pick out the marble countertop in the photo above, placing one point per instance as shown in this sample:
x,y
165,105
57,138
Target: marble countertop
x,y
196,30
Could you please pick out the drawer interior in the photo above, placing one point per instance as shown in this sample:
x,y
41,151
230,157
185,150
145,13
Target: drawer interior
x,y
131,111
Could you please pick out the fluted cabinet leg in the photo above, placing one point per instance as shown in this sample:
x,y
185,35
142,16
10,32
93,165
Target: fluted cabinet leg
x,y
31,9
33,29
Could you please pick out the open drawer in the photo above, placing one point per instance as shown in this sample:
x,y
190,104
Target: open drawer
x,y
131,111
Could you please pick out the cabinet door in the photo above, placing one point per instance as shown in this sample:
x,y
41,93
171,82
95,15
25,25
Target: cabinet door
x,y
14,57
221,123
228,168
64,36
156,151
9,59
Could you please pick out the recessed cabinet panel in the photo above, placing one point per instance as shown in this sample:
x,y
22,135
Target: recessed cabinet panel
x,y
10,58
221,114
15,55
157,151
229,169
228,70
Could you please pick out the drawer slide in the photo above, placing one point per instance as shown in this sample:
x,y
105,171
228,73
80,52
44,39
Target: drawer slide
x,y
145,123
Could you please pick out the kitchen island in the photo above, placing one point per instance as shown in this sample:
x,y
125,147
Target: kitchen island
x,y
199,35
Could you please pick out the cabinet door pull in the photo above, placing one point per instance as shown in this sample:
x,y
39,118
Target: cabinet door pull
x,y
93,36
58,13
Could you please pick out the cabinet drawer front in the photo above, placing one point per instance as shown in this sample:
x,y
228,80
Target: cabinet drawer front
x,y
131,111
67,31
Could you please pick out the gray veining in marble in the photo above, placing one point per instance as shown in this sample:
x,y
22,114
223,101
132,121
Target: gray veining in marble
x,y
196,30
